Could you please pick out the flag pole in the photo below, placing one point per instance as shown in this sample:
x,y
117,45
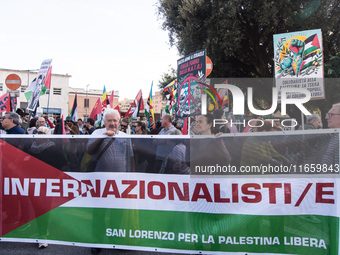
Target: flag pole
x,y
48,100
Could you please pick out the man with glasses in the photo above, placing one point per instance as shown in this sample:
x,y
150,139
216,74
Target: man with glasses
x,y
326,149
10,123
118,155
124,126
333,116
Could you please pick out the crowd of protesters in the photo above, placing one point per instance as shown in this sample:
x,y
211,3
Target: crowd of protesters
x,y
121,152
157,155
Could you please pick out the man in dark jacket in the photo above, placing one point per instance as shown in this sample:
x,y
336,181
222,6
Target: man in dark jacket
x,y
11,122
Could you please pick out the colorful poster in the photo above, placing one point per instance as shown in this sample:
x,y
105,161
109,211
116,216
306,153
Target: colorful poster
x,y
257,208
298,61
191,73
37,87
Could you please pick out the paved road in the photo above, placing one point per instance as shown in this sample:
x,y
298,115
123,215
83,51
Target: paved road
x,y
11,248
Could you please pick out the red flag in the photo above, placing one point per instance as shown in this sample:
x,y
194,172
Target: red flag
x,y
50,123
185,127
48,78
136,106
111,99
3,103
246,130
97,109
117,108
9,105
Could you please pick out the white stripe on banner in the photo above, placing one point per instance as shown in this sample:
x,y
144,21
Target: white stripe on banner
x,y
253,196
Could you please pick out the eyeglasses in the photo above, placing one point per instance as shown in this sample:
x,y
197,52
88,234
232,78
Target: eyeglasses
x,y
38,132
329,114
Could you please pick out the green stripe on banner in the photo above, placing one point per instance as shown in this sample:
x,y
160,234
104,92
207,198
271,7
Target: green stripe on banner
x,y
293,234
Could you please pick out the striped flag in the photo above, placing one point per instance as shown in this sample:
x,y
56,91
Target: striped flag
x,y
74,113
311,44
105,100
169,91
135,106
149,112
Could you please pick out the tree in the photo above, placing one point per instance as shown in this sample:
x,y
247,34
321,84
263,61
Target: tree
x,y
238,34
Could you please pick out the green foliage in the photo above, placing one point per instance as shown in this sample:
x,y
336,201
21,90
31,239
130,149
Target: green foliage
x,y
238,34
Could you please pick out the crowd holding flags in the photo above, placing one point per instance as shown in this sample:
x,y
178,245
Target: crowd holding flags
x,y
43,82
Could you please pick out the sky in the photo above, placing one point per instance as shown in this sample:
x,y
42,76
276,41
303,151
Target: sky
x,y
119,44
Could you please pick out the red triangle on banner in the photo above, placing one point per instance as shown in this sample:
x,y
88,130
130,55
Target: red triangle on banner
x,y
315,41
29,188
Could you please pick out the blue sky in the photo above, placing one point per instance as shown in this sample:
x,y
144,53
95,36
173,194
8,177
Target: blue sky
x,y
119,44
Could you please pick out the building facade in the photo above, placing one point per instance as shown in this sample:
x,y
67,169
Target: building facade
x,y
86,100
158,102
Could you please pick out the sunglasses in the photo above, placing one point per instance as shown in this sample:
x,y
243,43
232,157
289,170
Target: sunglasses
x,y
38,132
123,126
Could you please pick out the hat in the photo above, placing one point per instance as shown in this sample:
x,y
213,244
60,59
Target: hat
x,y
68,118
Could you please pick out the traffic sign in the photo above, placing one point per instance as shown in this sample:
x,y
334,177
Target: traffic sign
x,y
13,81
209,66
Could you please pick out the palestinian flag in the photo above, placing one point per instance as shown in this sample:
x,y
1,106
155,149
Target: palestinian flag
x,y
135,106
312,44
74,112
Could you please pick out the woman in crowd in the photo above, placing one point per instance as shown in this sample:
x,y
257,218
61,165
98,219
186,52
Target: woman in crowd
x,y
211,151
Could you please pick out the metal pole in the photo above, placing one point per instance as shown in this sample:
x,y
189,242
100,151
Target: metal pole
x,y
87,105
48,100
302,122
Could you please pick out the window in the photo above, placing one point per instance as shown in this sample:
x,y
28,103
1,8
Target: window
x,y
1,87
86,102
56,91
